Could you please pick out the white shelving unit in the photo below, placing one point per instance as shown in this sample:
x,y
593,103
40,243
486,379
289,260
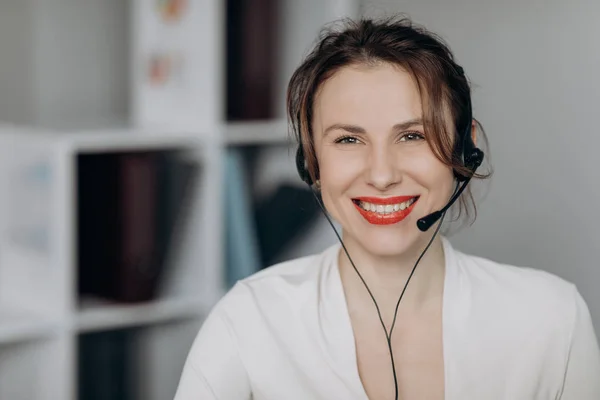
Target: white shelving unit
x,y
38,265
18,325
258,132
45,129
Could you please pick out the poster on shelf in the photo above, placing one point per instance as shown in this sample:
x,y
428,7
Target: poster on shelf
x,y
175,66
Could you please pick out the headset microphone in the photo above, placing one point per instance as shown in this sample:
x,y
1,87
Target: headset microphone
x,y
425,223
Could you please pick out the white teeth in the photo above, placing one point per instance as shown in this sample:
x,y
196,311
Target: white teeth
x,y
386,209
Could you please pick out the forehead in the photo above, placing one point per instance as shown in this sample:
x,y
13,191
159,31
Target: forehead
x,y
375,97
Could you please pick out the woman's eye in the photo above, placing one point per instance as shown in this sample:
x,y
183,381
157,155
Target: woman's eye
x,y
411,136
347,140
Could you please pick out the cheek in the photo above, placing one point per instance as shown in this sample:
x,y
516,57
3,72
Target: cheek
x,y
432,170
337,175
335,182
338,168
431,173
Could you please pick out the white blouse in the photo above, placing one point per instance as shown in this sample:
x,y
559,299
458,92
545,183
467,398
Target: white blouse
x,y
284,333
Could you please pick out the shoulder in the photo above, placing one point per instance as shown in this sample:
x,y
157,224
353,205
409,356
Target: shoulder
x,y
531,315
280,287
524,297
533,325
524,283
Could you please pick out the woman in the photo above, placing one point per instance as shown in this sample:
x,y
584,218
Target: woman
x,y
383,117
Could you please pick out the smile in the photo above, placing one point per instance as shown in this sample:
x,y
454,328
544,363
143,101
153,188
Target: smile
x,y
385,211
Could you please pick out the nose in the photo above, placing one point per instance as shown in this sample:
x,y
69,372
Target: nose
x,y
383,170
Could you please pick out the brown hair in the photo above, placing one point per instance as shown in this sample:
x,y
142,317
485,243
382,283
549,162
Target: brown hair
x,y
442,84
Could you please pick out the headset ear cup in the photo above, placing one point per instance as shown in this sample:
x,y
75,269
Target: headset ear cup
x,y
302,167
472,161
475,159
472,156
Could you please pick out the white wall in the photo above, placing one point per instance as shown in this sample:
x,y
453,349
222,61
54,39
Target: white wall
x,y
64,62
535,68
81,78
16,39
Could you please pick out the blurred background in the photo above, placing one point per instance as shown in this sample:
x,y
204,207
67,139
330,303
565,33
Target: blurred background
x,y
145,166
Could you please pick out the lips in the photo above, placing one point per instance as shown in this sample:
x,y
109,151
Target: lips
x,y
385,210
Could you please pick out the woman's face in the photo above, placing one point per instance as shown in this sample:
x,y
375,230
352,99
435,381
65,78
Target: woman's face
x,y
378,174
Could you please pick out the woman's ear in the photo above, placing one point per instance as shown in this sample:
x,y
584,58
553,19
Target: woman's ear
x,y
474,132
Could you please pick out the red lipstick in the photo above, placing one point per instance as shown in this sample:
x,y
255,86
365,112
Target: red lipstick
x,y
384,219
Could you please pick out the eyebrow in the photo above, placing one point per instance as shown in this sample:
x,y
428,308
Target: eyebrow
x,y
358,129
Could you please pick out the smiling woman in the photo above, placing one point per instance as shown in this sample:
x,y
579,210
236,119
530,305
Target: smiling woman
x,y
387,143
385,154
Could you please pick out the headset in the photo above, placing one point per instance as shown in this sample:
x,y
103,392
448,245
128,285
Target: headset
x,y
471,158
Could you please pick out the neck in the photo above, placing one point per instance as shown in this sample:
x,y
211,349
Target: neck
x,y
386,275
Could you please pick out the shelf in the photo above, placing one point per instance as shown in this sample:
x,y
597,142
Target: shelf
x,y
257,132
111,138
18,326
129,139
96,314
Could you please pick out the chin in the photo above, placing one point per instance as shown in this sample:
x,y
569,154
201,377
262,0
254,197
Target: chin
x,y
387,241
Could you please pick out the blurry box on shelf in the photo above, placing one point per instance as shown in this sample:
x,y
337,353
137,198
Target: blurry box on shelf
x,y
282,217
251,58
265,41
175,64
129,204
105,365
242,253
265,224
